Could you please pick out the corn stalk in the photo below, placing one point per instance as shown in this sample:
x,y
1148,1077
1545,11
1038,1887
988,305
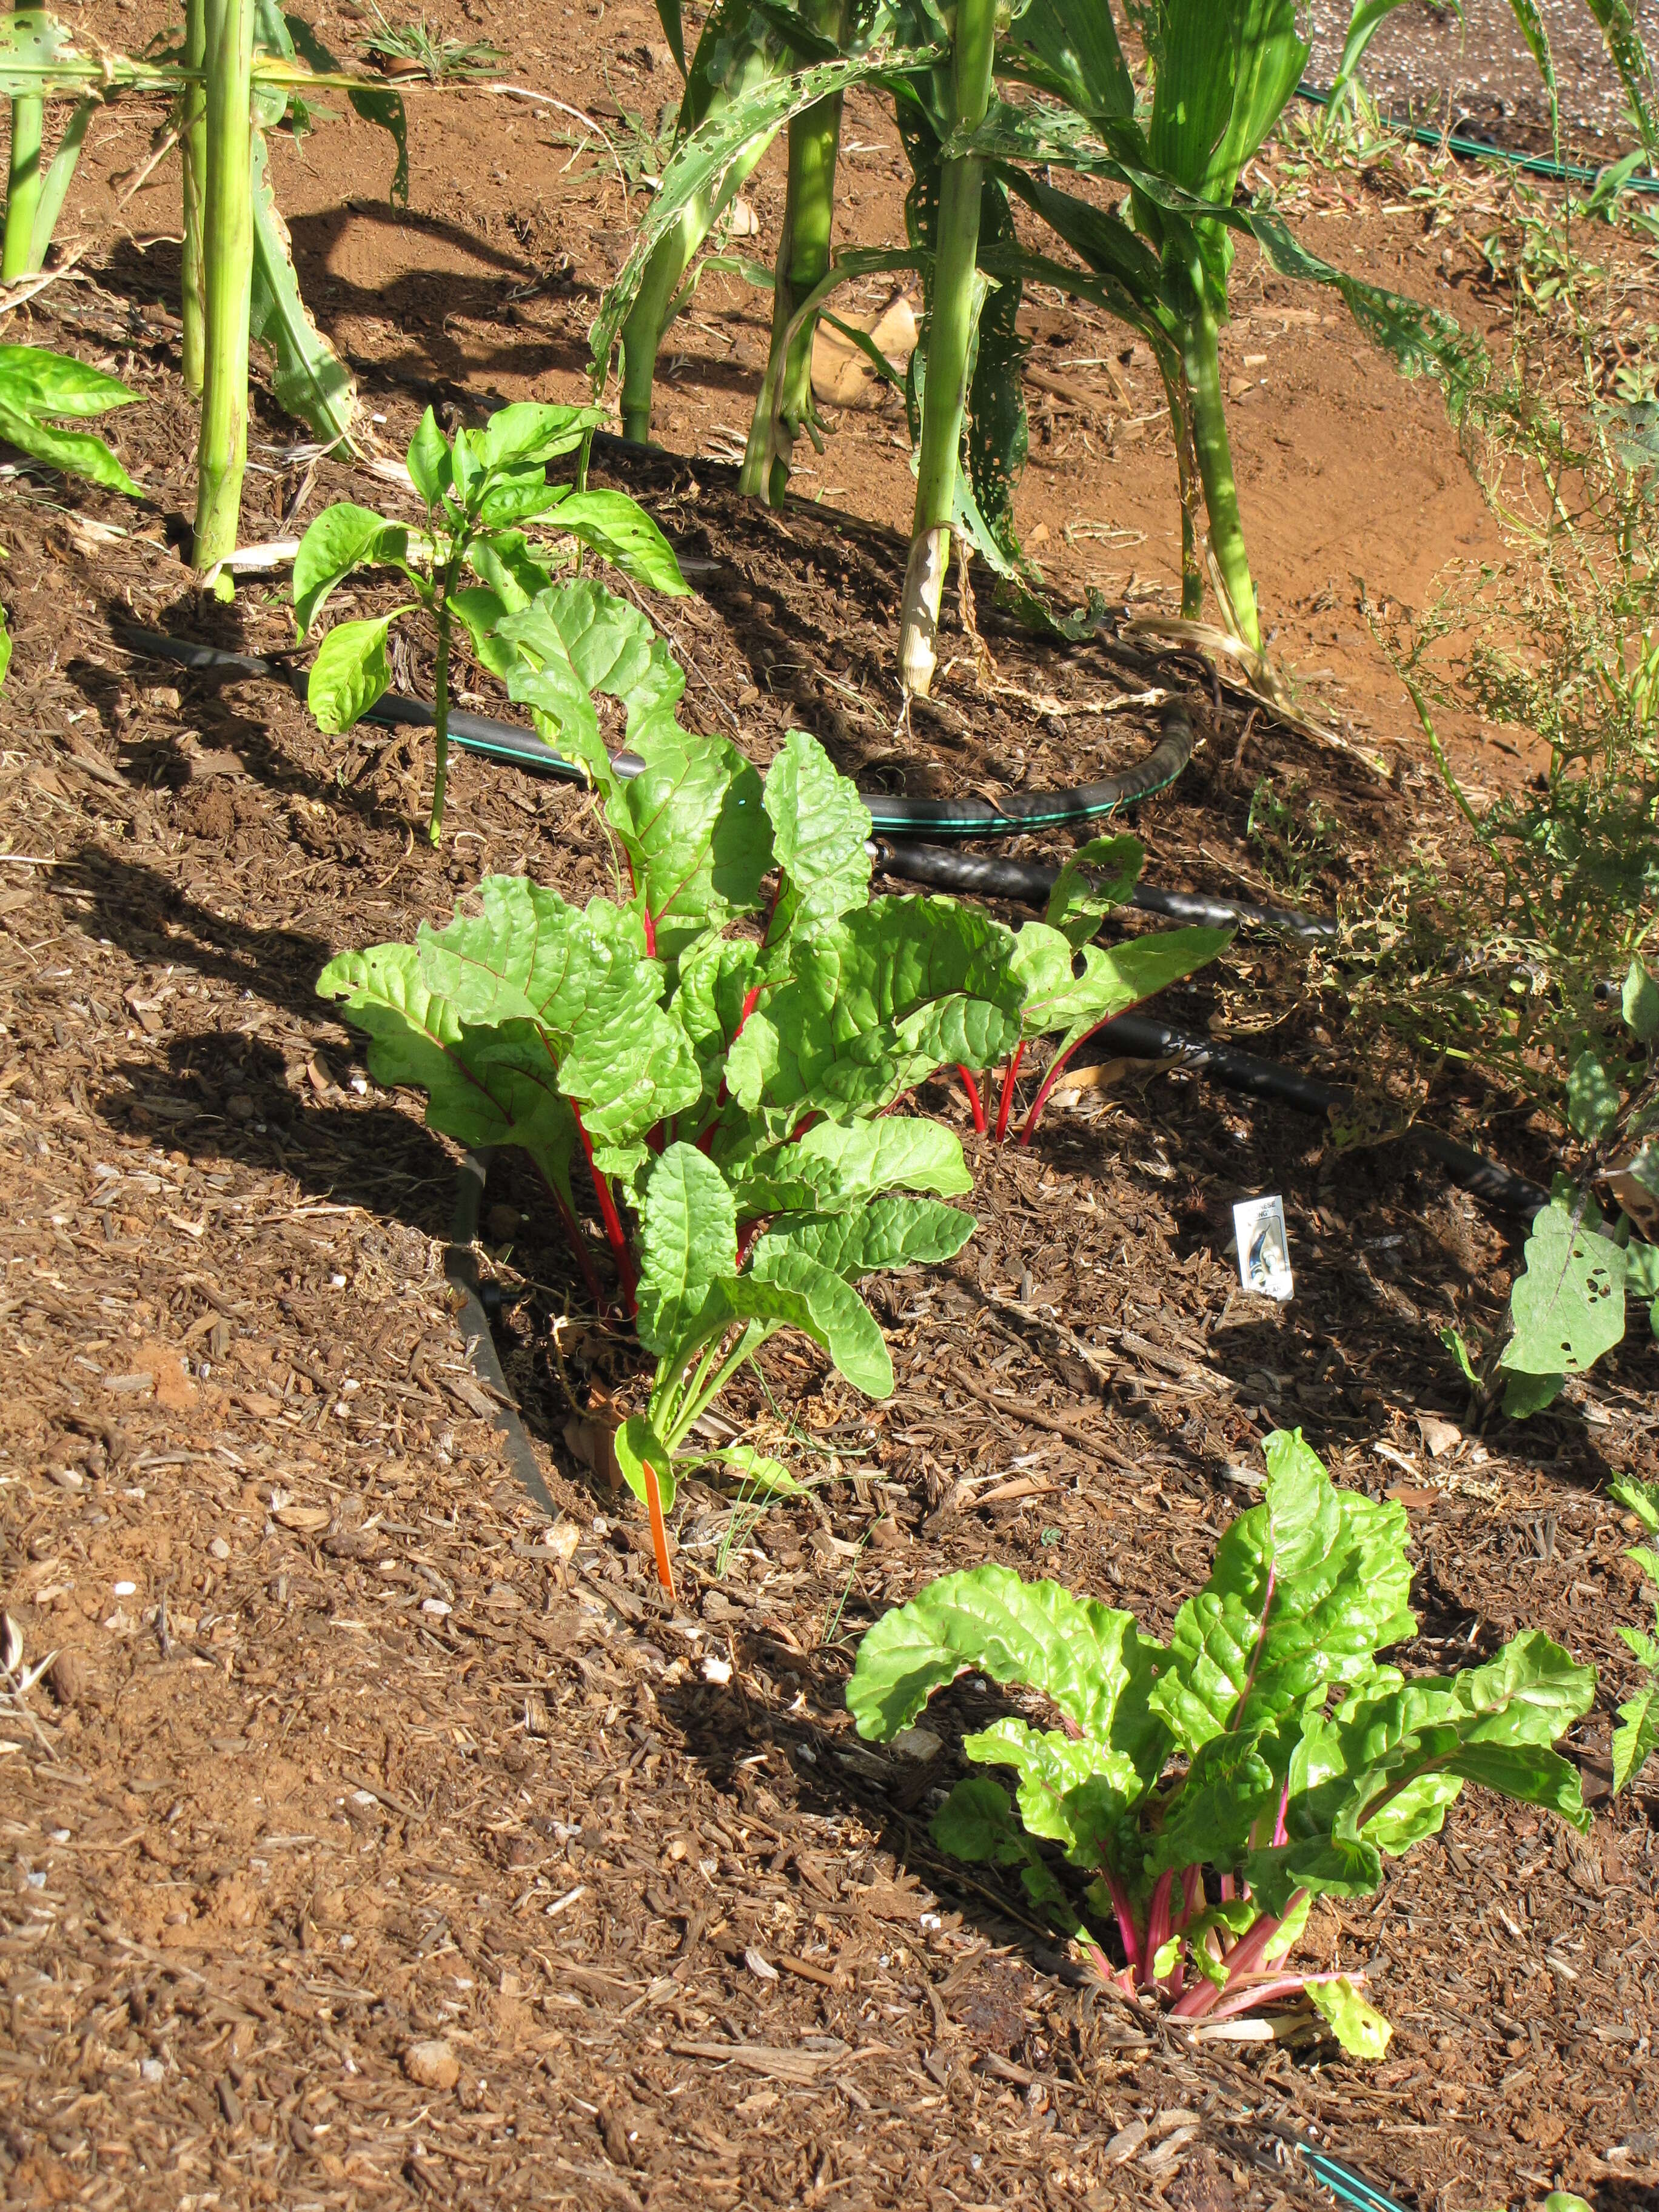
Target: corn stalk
x,y
949,347
192,148
227,270
22,187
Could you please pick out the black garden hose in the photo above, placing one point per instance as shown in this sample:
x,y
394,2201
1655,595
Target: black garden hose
x,y
1016,814
1029,881
1469,147
1142,1037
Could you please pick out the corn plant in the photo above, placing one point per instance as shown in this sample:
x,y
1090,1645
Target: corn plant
x,y
39,390
35,188
477,488
1207,1789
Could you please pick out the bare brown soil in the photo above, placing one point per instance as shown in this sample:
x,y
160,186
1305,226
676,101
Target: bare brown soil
x,y
337,1758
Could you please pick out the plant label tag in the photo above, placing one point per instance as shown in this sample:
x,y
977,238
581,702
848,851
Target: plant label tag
x,y
1264,1250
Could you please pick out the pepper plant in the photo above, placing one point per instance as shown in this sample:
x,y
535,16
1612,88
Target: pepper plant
x,y
1207,1789
471,565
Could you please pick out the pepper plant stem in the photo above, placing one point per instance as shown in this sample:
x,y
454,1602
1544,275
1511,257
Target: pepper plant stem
x,y
227,268
950,346
192,148
441,712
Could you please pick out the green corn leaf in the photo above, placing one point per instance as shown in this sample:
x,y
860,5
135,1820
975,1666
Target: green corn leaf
x,y
846,1327
820,829
1306,1587
883,1232
77,453
1091,1660
1568,1304
668,14
1364,24
1630,55
688,1242
1097,876
1072,53
308,377
1359,2028
1635,1736
1640,1002
704,163
350,673
343,538
484,1087
33,382
619,530
1593,1098
1193,90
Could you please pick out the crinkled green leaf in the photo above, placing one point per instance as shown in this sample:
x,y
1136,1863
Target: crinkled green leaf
x,y
1568,1304
837,1165
882,1232
1306,1587
1359,2027
1090,1659
344,538
530,956
484,1087
688,1242
1072,1790
820,829
752,1061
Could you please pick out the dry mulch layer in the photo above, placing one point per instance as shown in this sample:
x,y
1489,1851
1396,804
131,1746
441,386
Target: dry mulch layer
x,y
365,1847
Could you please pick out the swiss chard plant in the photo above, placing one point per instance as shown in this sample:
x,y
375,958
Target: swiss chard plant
x,y
39,390
1637,1734
723,1043
1206,1790
474,563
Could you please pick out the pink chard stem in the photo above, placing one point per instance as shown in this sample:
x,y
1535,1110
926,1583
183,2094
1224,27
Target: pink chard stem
x,y
974,1098
1006,1107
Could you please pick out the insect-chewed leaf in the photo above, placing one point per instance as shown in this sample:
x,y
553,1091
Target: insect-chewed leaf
x,y
1306,1587
618,529
1078,55
342,538
688,1242
1090,1659
1568,1303
1097,878
820,831
1359,2027
881,1232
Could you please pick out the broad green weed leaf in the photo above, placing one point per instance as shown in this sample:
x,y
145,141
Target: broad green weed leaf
x,y
1097,876
1593,1098
33,382
882,1232
1640,1002
619,530
350,673
1568,1304
1091,1660
820,831
342,538
688,1241
1359,2027
1637,1497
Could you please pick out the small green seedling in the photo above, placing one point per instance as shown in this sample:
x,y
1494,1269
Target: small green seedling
x,y
474,565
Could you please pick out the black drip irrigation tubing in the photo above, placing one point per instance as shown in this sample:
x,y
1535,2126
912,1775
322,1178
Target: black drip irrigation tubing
x,y
1139,1036
1485,149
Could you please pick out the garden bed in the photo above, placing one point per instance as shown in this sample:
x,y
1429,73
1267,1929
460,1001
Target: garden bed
x,y
339,1757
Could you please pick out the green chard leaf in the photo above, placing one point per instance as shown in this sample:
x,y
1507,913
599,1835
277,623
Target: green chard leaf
x,y
882,1232
1359,2027
1097,876
689,1243
820,829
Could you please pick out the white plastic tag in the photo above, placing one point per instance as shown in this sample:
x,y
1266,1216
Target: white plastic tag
x,y
1264,1249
